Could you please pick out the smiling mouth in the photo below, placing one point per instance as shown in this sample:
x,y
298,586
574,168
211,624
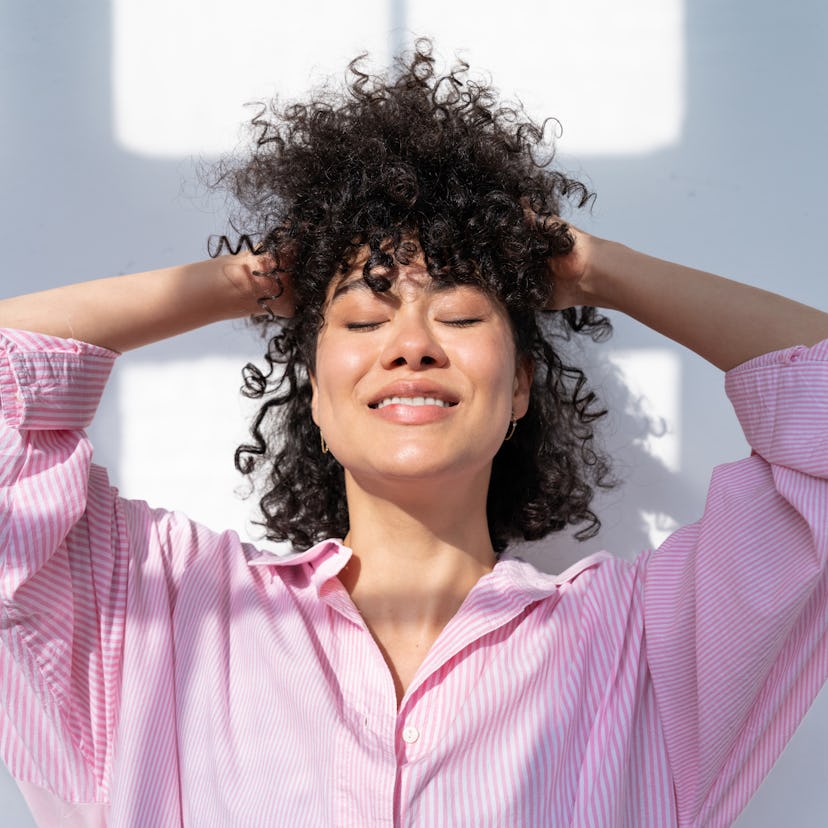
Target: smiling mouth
x,y
412,401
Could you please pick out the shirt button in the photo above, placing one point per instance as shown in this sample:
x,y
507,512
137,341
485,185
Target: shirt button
x,y
410,734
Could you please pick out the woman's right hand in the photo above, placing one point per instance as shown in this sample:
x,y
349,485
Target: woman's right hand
x,y
258,288
125,312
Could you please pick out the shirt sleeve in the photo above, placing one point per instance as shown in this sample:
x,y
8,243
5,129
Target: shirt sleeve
x,y
63,561
736,605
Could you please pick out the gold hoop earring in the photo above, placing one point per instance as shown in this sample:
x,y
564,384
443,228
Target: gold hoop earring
x,y
512,427
324,444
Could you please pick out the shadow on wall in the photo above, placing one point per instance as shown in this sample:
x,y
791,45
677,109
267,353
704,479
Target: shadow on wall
x,y
645,485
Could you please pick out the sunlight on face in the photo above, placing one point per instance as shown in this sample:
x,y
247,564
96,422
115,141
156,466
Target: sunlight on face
x,y
417,381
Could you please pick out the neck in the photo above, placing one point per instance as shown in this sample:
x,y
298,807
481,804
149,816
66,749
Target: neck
x,y
418,550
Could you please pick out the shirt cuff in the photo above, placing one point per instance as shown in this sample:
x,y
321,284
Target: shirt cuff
x,y
781,400
48,383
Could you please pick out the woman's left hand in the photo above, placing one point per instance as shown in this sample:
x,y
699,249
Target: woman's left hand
x,y
569,272
572,274
723,321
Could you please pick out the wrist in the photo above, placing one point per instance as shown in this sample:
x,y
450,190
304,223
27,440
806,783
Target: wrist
x,y
603,275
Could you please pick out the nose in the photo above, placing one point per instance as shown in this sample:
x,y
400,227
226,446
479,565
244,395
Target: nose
x,y
412,342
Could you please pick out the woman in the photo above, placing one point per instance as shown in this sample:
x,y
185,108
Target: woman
x,y
156,673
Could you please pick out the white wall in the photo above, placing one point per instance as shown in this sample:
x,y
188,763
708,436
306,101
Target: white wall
x,y
702,129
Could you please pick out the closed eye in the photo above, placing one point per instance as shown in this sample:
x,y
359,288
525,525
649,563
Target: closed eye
x,y
362,326
462,323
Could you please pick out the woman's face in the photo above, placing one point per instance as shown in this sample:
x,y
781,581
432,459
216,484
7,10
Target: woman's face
x,y
417,382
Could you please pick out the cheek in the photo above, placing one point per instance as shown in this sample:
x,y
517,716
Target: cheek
x,y
338,370
492,365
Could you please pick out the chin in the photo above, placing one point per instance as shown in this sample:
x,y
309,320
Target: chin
x,y
418,467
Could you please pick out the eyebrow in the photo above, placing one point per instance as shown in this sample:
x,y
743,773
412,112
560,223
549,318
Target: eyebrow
x,y
361,284
347,287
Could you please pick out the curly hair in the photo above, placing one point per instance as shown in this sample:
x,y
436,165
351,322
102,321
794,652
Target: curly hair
x,y
440,160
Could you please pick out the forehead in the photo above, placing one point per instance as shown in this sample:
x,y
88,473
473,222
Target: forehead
x,y
404,280
405,283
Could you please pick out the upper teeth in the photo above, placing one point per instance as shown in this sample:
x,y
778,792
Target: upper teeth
x,y
412,401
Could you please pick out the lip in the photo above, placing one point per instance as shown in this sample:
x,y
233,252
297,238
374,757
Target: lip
x,y
409,415
413,388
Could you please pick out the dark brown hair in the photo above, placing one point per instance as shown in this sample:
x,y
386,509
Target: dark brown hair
x,y
436,158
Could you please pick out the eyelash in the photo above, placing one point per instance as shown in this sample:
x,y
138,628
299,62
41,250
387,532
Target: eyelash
x,y
462,323
362,326
369,326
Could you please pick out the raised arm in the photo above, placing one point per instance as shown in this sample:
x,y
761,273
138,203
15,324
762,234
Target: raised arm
x,y
725,322
126,312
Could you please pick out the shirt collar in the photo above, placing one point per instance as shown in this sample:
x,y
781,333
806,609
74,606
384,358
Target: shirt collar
x,y
325,560
524,577
328,557
322,550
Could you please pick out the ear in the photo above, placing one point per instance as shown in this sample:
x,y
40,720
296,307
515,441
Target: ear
x,y
524,373
314,397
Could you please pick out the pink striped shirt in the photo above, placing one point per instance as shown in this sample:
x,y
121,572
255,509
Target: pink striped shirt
x,y
155,673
